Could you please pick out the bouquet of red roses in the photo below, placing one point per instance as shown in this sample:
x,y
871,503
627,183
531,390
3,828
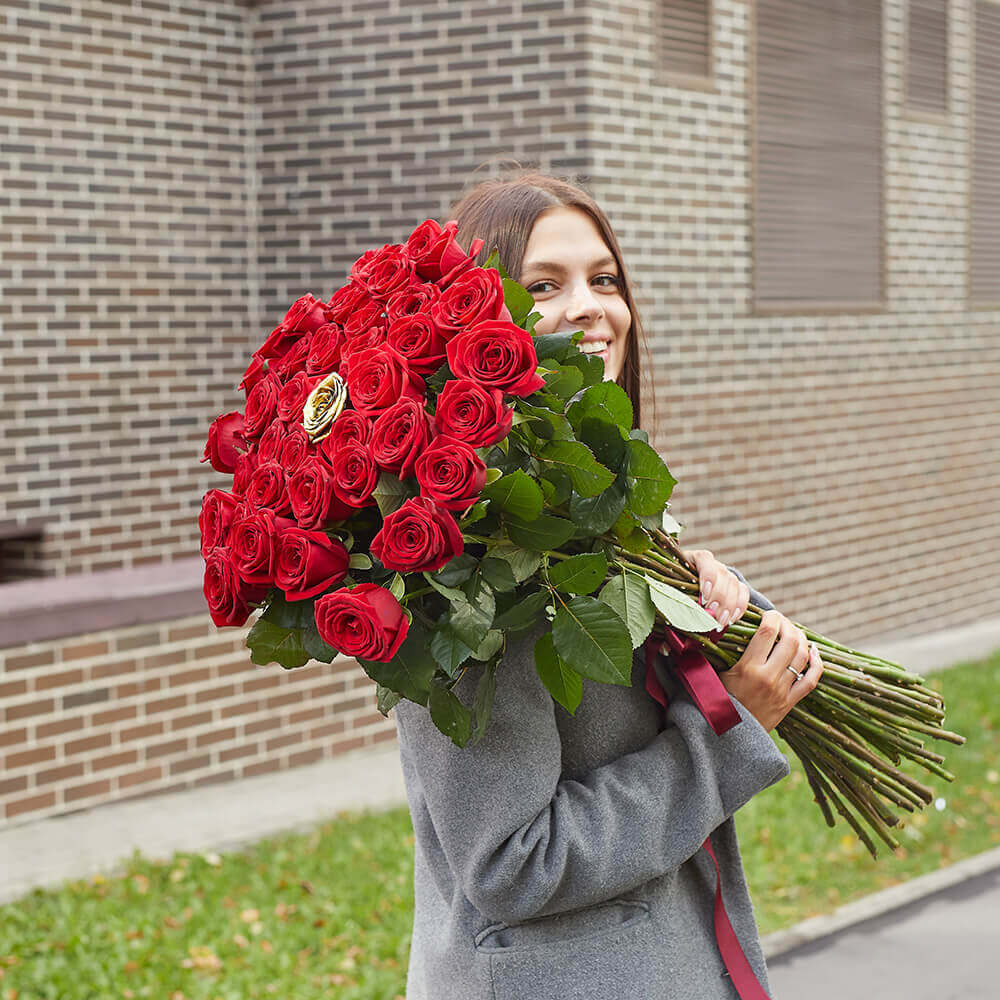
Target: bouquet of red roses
x,y
417,477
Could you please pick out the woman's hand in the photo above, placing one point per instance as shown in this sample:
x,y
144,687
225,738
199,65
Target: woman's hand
x,y
762,679
727,595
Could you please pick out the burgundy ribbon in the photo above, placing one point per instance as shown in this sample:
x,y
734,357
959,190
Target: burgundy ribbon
x,y
709,693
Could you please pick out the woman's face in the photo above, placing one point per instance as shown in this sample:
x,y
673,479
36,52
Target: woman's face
x,y
574,280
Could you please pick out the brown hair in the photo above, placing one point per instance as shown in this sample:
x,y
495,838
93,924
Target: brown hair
x,y
502,211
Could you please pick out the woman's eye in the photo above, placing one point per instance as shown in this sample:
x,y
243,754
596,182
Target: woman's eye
x,y
533,288
613,279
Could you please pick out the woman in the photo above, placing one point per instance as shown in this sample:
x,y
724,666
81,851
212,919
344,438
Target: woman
x,y
561,855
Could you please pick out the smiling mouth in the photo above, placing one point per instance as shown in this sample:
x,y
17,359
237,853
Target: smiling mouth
x,y
595,346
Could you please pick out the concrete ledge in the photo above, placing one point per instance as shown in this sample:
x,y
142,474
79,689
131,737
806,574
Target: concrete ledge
x,y
224,817
59,606
877,903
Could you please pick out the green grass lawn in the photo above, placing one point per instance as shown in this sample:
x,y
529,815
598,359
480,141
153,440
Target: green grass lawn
x,y
328,913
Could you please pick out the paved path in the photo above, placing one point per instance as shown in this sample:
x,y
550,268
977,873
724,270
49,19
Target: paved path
x,y
944,946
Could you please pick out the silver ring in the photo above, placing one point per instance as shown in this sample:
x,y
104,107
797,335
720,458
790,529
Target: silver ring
x,y
797,674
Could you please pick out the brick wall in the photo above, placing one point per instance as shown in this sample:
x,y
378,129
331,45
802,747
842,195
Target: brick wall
x,y
128,712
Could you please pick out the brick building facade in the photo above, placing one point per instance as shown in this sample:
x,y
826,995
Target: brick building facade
x,y
175,175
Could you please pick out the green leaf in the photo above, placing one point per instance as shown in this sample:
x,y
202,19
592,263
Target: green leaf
x,y
522,562
591,366
386,698
546,423
650,482
390,493
608,400
435,382
518,300
498,573
289,614
492,641
360,561
471,619
448,650
317,647
564,381
517,494
455,571
558,346
562,681
593,640
449,714
606,440
525,612
595,515
475,513
574,458
579,574
556,486
628,595
678,609
492,475
409,672
545,532
270,643
397,586
482,706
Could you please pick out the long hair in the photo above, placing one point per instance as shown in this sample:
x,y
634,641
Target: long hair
x,y
502,212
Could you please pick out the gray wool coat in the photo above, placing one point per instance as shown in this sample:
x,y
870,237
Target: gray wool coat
x,y
561,856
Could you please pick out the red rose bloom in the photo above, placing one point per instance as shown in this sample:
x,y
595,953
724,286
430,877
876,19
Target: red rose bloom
x,y
399,435
224,435
245,465
379,377
279,341
251,543
348,426
474,297
268,488
421,535
262,406
228,596
472,414
308,563
497,355
295,359
294,394
365,621
295,447
436,252
305,314
311,494
418,340
355,473
450,473
345,301
270,442
414,299
256,370
324,349
217,510
367,315
387,271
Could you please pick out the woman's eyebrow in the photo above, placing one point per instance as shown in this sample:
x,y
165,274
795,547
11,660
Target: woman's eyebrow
x,y
549,265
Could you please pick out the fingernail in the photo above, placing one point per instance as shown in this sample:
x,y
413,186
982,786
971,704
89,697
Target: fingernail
x,y
713,607
723,617
706,589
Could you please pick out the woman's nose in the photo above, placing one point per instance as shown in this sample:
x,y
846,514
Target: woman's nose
x,y
583,305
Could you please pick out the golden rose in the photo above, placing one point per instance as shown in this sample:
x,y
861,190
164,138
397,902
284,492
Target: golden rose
x,y
323,406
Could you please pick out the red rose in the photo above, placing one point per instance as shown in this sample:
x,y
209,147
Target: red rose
x,y
279,341
388,271
224,435
418,340
295,358
295,447
421,535
355,473
270,442
373,336
324,349
399,435
217,509
308,563
251,543
294,394
268,488
245,465
368,314
365,621
475,297
348,426
256,370
345,301
305,314
472,414
311,494
414,299
262,406
228,596
497,355
378,377
450,473
436,253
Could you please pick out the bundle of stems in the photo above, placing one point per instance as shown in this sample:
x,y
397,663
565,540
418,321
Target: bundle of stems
x,y
852,732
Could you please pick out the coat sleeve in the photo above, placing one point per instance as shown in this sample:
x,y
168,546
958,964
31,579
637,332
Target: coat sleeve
x,y
521,841
756,598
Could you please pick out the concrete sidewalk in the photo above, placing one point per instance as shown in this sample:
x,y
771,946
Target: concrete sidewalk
x,y
942,946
